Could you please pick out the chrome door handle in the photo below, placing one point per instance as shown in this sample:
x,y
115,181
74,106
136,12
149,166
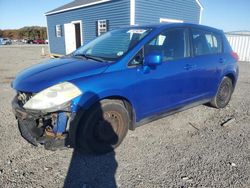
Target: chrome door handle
x,y
188,67
222,60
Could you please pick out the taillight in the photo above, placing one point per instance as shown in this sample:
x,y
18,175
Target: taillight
x,y
235,56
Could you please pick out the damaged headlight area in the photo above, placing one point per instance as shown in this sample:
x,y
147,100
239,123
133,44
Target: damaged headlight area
x,y
45,118
50,130
53,97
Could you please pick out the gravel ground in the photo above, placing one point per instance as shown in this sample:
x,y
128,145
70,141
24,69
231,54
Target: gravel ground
x,y
188,149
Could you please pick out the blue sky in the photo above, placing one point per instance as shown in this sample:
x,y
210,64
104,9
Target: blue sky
x,y
229,15
15,14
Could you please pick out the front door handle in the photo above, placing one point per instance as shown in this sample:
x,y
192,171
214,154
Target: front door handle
x,y
188,67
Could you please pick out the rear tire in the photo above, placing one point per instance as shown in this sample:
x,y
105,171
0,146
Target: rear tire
x,y
103,127
223,94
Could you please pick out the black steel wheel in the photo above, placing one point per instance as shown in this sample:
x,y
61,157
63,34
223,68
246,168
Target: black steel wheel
x,y
103,127
224,93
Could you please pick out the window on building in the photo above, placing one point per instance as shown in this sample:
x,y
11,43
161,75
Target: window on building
x,y
102,27
168,20
58,30
206,43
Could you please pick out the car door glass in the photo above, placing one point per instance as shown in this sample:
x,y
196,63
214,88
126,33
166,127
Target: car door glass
x,y
170,44
159,41
215,43
205,43
137,60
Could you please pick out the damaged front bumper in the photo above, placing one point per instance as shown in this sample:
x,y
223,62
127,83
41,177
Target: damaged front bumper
x,y
52,129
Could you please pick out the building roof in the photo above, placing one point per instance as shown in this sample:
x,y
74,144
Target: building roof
x,y
238,33
85,3
75,4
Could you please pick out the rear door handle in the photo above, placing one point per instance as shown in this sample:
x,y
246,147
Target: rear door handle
x,y
222,60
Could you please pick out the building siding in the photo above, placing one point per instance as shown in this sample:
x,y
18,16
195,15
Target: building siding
x,y
117,12
241,45
148,11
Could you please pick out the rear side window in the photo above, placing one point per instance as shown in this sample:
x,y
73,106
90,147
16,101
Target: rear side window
x,y
205,43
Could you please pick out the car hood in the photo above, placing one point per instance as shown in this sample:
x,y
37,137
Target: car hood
x,y
54,71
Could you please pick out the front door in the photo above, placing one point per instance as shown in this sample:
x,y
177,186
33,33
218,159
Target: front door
x,y
169,85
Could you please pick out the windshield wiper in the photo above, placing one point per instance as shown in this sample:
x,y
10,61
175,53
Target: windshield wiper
x,y
90,57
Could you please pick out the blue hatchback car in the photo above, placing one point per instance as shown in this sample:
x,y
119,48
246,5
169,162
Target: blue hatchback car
x,y
127,77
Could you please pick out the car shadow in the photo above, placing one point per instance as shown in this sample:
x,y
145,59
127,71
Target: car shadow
x,y
88,170
91,171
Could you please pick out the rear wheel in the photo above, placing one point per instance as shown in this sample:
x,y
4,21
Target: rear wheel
x,y
224,93
103,127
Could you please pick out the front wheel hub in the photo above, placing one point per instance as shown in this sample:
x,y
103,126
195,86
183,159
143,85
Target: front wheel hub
x,y
108,126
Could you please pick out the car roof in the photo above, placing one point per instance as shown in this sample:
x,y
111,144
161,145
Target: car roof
x,y
173,25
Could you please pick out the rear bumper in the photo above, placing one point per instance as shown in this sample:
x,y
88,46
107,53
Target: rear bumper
x,y
54,130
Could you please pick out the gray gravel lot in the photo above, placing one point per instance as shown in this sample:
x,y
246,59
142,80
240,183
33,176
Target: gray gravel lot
x,y
188,149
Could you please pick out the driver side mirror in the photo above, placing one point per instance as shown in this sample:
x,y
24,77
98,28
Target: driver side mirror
x,y
152,60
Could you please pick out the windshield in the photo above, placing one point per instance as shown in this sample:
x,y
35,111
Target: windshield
x,y
112,45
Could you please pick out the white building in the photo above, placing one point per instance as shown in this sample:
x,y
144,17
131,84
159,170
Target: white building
x,y
240,42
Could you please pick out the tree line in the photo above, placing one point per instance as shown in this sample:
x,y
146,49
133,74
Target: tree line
x,y
33,32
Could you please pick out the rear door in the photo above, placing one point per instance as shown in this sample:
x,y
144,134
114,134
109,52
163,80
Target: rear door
x,y
209,61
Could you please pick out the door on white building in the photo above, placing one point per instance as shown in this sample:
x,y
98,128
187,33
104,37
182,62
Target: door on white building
x,y
73,36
